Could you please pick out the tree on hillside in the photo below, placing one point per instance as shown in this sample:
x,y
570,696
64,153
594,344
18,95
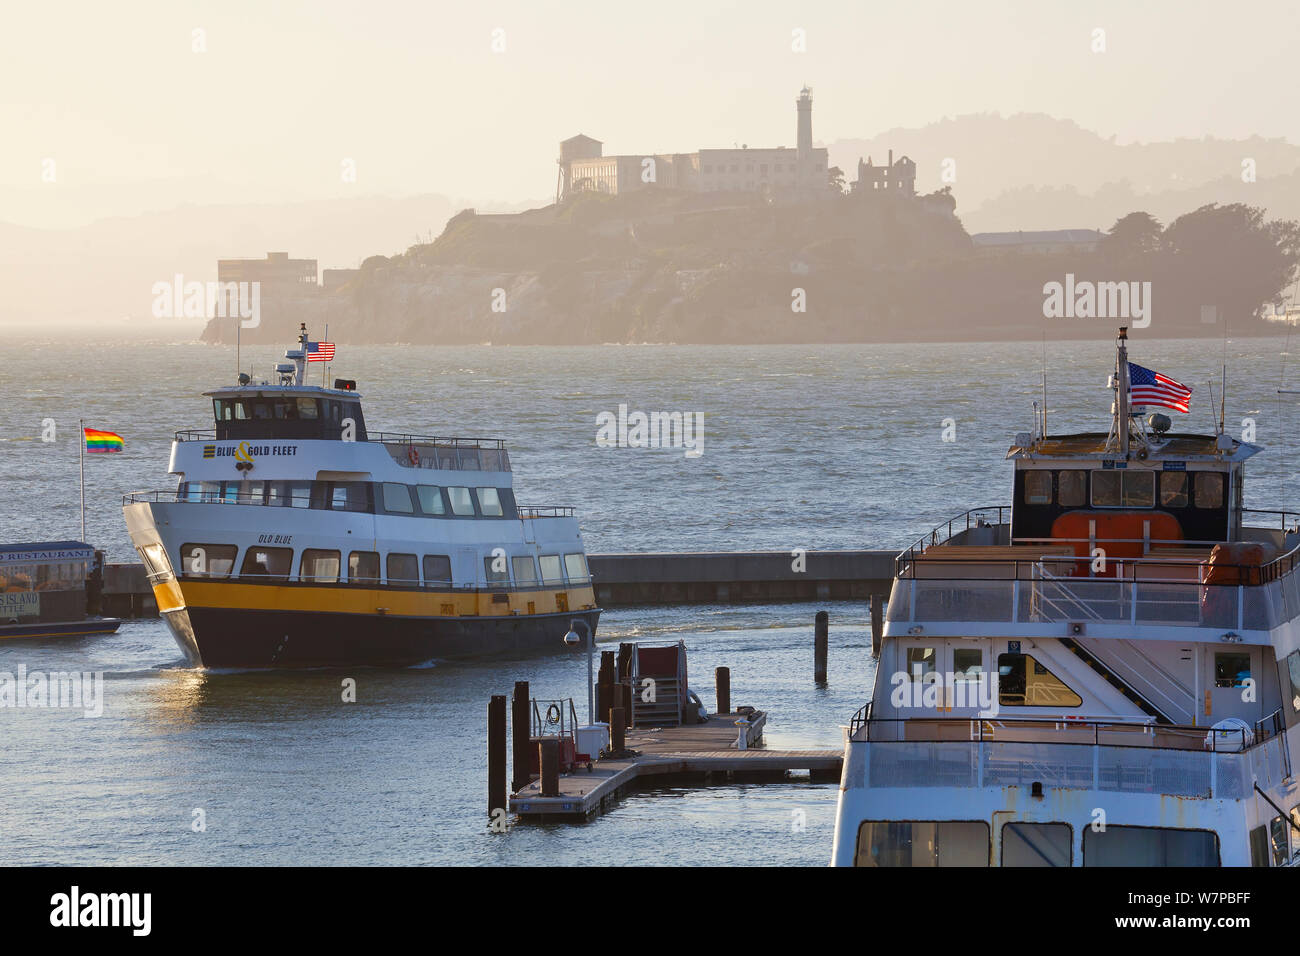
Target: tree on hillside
x,y
1137,233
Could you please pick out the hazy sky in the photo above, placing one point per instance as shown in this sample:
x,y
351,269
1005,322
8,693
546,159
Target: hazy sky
x,y
413,93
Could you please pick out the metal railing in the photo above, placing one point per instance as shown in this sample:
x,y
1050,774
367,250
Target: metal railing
x,y
386,438
546,511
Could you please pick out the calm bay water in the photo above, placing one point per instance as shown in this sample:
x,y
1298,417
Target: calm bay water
x,y
813,447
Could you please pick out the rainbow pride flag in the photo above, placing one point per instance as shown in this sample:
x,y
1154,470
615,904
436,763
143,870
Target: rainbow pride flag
x,y
102,443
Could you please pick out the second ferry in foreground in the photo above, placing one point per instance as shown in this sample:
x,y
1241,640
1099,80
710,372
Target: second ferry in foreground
x,y
1106,673
298,538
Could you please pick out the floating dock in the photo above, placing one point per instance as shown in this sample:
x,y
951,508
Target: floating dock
x,y
706,753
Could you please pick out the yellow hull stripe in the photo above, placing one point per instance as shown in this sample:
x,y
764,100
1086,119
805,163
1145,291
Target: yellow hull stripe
x,y
344,599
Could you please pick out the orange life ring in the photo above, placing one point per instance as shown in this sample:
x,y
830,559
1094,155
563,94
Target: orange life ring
x,y
413,457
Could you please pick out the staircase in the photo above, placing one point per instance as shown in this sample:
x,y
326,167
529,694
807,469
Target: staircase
x,y
665,710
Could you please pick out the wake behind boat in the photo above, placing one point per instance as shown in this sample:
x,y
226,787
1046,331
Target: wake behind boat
x,y
1104,673
298,538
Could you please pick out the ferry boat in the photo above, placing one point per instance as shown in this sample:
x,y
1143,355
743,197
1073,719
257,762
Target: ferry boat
x,y
1104,673
47,588
296,537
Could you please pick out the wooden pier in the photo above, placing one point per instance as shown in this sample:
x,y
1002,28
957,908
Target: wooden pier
x,y
704,753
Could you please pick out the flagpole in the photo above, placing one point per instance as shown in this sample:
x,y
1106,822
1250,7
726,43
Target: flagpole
x,y
81,456
324,366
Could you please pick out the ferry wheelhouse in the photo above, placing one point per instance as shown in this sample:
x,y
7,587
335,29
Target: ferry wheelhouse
x,y
1104,673
296,537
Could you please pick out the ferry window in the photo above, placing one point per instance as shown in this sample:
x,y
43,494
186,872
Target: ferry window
x,y
1294,827
348,496
397,498
1072,489
1036,844
319,565
575,565
551,573
221,410
1149,846
208,560
256,493
1293,672
308,408
363,567
923,843
273,563
461,503
1105,489
403,569
437,569
1038,487
920,663
1173,489
496,570
1024,682
967,664
1277,834
489,503
210,490
525,570
431,502
1209,489
261,411
1139,489
1231,670
230,492
286,410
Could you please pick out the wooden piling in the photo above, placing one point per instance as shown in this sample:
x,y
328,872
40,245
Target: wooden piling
x,y
496,753
521,730
722,689
605,686
877,622
617,730
821,639
549,760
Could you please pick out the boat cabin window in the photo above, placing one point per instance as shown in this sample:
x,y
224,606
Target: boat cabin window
x,y
1149,846
496,570
271,563
551,572
525,570
403,569
1024,682
489,502
923,843
1231,670
920,663
363,567
1037,844
437,569
1038,487
1123,489
1073,490
284,416
967,664
1280,841
1209,489
430,498
319,565
1293,673
1173,489
349,496
576,567
208,560
461,502
397,499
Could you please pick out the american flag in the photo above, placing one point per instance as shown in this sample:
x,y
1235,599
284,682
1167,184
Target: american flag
x,y
320,351
1151,388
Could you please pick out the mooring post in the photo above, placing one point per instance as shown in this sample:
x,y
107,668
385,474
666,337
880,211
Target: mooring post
x,y
521,731
877,622
722,689
821,638
617,730
496,753
549,759
605,687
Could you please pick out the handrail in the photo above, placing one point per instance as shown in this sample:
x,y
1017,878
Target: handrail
x,y
384,438
1207,738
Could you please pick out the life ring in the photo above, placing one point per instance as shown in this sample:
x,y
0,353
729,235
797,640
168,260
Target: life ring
x,y
413,456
